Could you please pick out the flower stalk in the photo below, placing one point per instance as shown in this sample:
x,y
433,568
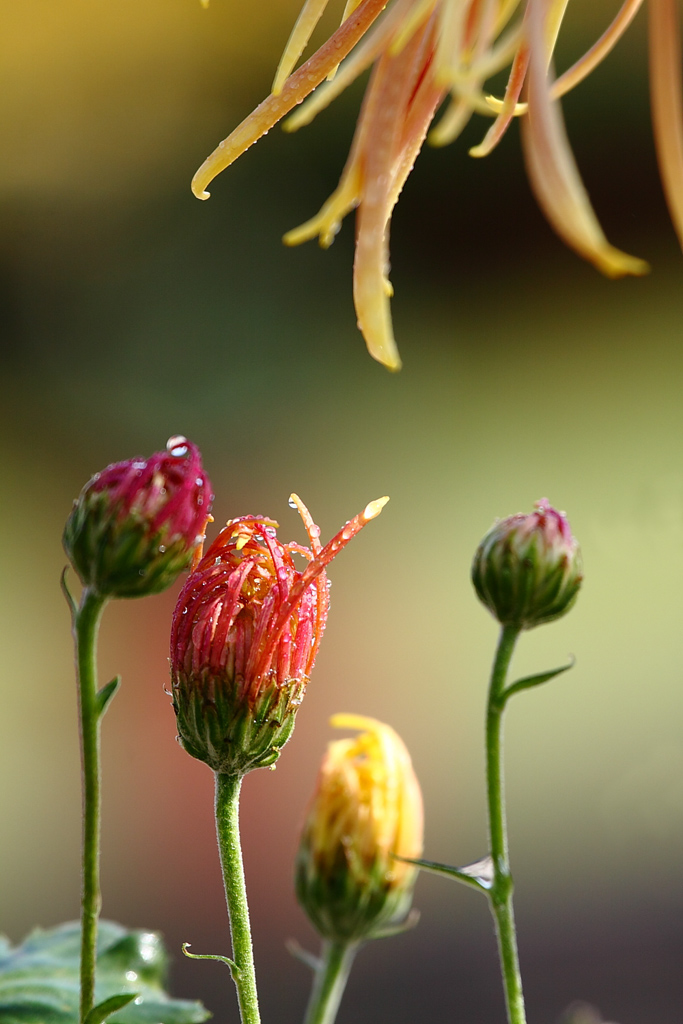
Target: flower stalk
x,y
330,981
86,622
500,892
230,847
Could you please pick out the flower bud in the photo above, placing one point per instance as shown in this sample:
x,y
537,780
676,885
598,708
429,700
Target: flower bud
x,y
245,635
366,808
527,569
136,525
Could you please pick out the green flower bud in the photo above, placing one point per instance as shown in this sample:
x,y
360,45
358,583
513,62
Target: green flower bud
x,y
527,569
138,524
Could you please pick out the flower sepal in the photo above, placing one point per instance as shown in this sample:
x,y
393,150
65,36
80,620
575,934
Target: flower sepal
x,y
232,736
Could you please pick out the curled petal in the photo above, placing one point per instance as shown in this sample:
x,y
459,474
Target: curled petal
x,y
553,173
667,109
598,51
294,90
509,105
457,115
393,83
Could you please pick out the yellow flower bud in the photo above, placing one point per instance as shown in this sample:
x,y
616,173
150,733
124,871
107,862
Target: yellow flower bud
x,y
367,808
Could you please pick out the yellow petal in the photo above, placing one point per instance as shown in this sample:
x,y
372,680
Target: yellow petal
x,y
310,15
295,89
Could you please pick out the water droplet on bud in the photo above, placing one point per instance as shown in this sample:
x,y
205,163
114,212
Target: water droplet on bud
x,y
177,446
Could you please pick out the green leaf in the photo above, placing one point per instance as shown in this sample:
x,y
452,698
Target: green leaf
x,y
529,681
99,1013
105,695
478,875
39,980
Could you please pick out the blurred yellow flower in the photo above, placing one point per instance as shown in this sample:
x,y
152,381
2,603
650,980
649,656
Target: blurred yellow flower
x,y
367,807
427,51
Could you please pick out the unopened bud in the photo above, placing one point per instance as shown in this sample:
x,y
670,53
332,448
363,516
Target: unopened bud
x,y
246,632
527,569
138,524
367,808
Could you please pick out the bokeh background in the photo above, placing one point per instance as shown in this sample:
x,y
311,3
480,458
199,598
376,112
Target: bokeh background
x,y
130,312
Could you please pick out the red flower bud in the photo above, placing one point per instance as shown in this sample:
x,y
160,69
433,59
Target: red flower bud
x,y
136,525
246,631
527,569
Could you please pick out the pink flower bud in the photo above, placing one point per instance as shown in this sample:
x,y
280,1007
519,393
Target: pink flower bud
x,y
527,570
136,525
246,631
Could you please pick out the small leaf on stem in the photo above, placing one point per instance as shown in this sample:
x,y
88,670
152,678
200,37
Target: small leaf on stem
x,y
529,681
479,874
99,1013
105,695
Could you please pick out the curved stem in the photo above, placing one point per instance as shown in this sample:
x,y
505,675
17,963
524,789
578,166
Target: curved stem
x,y
330,981
228,832
85,628
500,893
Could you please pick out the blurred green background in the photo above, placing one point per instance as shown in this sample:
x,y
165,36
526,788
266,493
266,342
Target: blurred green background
x,y
130,312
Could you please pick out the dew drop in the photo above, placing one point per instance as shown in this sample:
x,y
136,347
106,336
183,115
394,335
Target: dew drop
x,y
315,530
292,503
162,549
131,976
177,445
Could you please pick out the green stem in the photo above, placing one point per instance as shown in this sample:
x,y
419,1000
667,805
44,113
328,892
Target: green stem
x,y
330,981
86,626
228,831
500,894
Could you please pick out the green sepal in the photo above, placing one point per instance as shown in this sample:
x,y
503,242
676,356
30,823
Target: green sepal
x,y
350,901
230,732
67,594
310,960
529,681
115,551
99,1013
105,695
39,979
411,921
234,969
478,875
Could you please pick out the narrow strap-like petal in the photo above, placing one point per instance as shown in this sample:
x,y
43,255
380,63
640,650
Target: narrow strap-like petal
x,y
512,93
395,81
553,172
598,51
295,89
311,13
667,109
359,61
